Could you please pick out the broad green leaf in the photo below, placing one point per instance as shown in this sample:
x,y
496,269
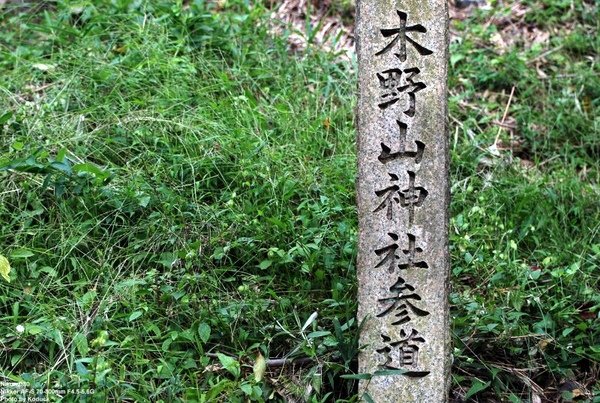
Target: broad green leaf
x,y
143,201
265,264
260,367
15,359
61,166
455,58
204,332
4,268
356,376
35,329
61,154
80,341
230,364
129,283
81,369
135,315
90,169
257,390
390,372
477,387
5,118
17,145
320,333
168,260
368,398
21,254
246,388
56,336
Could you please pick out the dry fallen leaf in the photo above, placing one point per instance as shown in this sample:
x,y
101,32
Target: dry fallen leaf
x,y
43,66
498,42
260,366
4,268
543,344
212,368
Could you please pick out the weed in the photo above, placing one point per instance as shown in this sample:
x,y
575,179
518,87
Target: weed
x,y
177,206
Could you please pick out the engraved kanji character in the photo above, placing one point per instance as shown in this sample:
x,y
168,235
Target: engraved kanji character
x,y
390,254
403,353
400,303
400,37
412,196
411,252
389,193
412,89
390,82
387,155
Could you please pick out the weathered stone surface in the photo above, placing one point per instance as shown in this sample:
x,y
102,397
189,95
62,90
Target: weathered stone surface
x,y
403,195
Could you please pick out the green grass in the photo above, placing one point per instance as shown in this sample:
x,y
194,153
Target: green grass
x,y
525,222
177,200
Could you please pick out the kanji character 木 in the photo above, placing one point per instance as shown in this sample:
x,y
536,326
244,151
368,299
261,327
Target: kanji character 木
x,y
400,35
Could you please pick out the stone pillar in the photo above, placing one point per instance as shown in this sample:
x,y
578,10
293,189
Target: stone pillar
x,y
403,197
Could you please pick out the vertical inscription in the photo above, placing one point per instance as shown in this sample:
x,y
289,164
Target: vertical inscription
x,y
403,199
392,86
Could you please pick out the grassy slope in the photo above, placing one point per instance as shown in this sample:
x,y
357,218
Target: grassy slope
x,y
525,244
176,186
